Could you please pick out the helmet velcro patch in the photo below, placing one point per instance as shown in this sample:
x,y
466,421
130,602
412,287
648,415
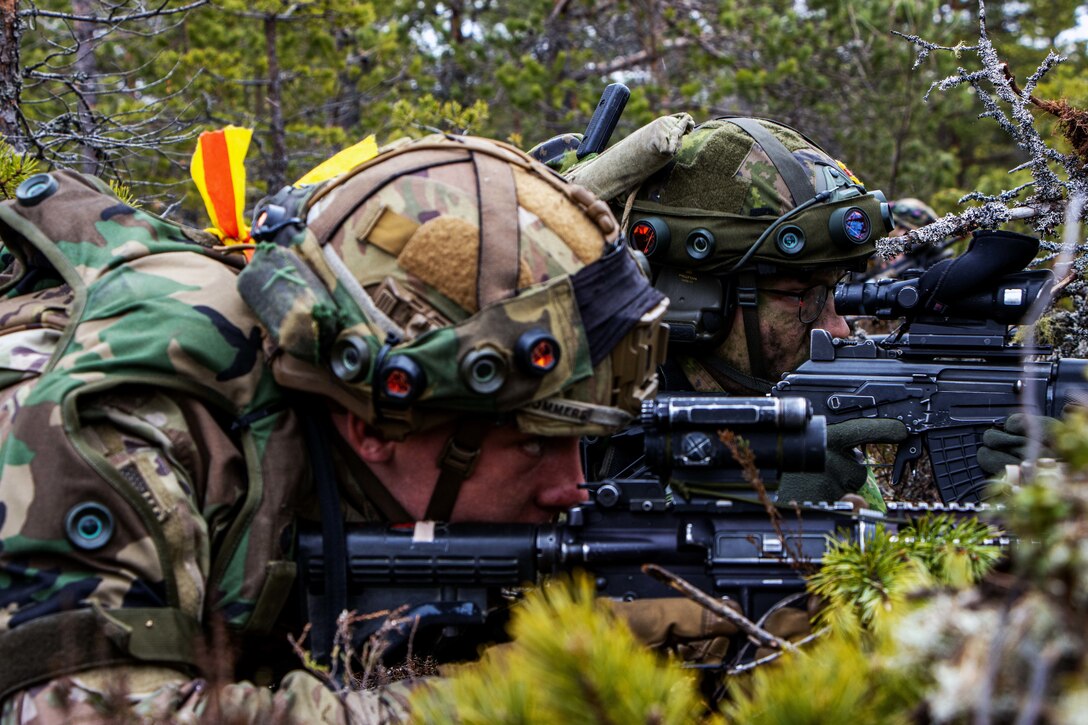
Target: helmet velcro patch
x,y
443,253
391,231
560,215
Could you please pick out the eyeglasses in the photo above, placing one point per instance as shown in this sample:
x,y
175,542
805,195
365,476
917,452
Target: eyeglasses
x,y
810,301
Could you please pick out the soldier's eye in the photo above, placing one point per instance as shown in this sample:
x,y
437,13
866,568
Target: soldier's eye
x,y
533,447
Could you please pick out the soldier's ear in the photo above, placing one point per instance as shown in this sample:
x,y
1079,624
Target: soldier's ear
x,y
366,443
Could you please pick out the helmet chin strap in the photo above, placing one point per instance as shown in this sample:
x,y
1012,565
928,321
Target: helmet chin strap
x,y
456,462
748,299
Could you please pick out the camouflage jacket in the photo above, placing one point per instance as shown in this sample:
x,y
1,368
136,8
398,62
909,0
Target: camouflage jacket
x,y
149,465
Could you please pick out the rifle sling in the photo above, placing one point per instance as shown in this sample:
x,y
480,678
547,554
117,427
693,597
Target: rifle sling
x,y
317,431
70,642
719,371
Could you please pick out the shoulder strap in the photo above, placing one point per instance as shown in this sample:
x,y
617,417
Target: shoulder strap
x,y
747,299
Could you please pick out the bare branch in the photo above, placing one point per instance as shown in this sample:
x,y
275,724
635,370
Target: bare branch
x,y
1054,176
760,635
161,10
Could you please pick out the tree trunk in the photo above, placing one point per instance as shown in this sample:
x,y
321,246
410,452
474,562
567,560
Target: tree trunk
x,y
11,82
277,167
86,66
345,110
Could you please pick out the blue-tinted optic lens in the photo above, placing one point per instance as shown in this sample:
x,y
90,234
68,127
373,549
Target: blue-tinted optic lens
x,y
856,225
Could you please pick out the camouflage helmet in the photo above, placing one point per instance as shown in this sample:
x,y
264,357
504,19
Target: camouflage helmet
x,y
451,277
748,192
911,213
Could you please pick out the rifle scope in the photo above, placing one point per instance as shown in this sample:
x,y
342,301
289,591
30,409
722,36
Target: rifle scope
x,y
682,440
1007,300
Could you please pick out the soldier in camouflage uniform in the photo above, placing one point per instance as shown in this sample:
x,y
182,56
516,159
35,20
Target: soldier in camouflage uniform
x,y
747,225
428,332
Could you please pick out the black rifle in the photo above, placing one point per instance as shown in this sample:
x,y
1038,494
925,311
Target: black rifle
x,y
452,577
952,370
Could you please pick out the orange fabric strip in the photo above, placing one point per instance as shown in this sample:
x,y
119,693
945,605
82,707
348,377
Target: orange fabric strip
x,y
217,179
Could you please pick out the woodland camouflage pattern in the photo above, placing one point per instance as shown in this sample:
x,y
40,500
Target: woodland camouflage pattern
x,y
88,408
94,408
756,187
722,180
134,377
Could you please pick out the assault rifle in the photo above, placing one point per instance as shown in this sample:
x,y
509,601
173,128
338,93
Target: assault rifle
x,y
452,577
952,370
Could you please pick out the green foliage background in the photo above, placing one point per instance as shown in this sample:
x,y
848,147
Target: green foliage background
x,y
524,70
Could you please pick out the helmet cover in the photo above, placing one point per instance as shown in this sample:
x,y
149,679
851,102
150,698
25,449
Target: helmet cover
x,y
455,276
736,182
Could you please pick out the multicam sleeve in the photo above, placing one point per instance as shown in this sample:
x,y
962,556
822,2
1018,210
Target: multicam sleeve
x,y
127,694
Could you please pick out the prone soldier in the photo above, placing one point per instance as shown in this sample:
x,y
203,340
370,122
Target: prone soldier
x,y
425,336
747,226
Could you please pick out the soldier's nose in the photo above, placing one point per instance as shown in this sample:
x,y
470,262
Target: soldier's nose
x,y
832,321
564,474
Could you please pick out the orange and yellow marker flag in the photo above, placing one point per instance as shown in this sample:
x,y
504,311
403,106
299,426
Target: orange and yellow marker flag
x,y
220,175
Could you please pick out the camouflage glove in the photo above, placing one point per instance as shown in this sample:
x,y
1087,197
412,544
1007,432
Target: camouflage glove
x,y
1008,446
674,623
844,470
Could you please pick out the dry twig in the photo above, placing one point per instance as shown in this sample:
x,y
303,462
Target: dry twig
x,y
761,636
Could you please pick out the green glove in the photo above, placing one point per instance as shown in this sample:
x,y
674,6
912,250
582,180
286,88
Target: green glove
x,y
1009,446
844,468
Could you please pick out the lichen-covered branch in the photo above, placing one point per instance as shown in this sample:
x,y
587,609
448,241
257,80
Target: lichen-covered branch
x,y
1055,176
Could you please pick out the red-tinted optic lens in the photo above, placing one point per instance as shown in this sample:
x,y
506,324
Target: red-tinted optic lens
x,y
398,384
644,237
543,355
